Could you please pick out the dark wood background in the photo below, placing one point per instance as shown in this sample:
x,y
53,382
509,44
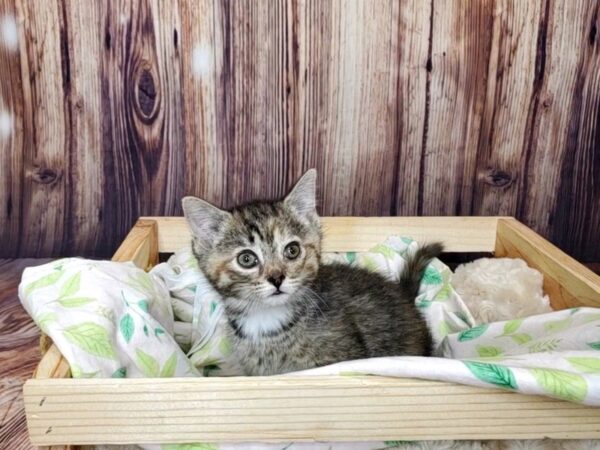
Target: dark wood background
x,y
117,109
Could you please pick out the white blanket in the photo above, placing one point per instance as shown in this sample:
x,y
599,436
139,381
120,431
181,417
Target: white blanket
x,y
113,319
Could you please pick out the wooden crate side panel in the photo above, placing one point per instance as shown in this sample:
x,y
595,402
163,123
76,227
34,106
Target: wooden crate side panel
x,y
283,408
140,245
360,234
567,282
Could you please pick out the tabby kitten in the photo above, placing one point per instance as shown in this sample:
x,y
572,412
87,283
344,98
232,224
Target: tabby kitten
x,y
286,310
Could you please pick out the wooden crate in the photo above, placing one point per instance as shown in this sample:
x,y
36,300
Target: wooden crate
x,y
61,410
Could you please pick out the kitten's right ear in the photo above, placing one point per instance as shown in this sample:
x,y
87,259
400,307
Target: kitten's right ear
x,y
303,197
204,219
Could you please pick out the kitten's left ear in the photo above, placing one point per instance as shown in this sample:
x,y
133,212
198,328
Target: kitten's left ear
x,y
205,220
303,198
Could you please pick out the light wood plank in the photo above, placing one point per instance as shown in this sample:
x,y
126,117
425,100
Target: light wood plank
x,y
140,245
413,103
205,79
509,106
558,198
457,67
567,282
360,234
290,408
83,24
12,140
351,111
45,128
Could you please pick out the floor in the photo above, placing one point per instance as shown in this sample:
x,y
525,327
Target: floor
x,y
19,353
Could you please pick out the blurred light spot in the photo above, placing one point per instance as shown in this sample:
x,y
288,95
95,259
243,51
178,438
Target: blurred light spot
x,y
9,34
5,124
201,61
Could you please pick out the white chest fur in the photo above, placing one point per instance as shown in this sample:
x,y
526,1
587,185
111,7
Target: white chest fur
x,y
263,321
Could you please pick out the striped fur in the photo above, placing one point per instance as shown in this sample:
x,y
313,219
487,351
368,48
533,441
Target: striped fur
x,y
292,314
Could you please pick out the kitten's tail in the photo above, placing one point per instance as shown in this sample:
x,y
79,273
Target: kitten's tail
x,y
410,278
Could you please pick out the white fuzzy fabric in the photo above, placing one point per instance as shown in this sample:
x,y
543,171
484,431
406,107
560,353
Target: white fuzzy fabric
x,y
496,289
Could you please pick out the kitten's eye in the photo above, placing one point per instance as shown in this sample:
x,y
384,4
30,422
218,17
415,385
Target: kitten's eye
x,y
247,259
292,250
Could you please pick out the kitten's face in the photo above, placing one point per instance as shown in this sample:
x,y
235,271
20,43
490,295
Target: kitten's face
x,y
258,255
264,254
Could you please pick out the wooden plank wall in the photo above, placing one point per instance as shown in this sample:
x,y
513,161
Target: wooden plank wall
x,y
112,110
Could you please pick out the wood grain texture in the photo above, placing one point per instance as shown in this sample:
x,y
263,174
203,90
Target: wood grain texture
x,y
45,127
449,107
563,161
19,353
281,409
511,69
142,146
457,65
11,140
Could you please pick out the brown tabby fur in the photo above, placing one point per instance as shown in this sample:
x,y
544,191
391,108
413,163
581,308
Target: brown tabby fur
x,y
321,313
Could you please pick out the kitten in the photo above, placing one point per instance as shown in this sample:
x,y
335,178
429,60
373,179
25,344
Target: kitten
x,y
287,311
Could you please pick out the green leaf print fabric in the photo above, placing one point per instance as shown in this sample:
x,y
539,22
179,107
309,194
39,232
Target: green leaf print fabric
x,y
112,319
96,313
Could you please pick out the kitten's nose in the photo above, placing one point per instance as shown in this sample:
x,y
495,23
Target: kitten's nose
x,y
276,278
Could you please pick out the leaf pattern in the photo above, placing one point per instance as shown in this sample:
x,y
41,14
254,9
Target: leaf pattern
x,y
472,333
195,446
144,305
521,338
77,372
558,325
71,286
45,281
120,373
445,328
351,257
127,327
44,320
444,293
544,346
147,363
585,365
75,302
141,281
493,374
431,276
369,263
594,345
384,250
490,351
511,326
168,369
561,384
92,338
